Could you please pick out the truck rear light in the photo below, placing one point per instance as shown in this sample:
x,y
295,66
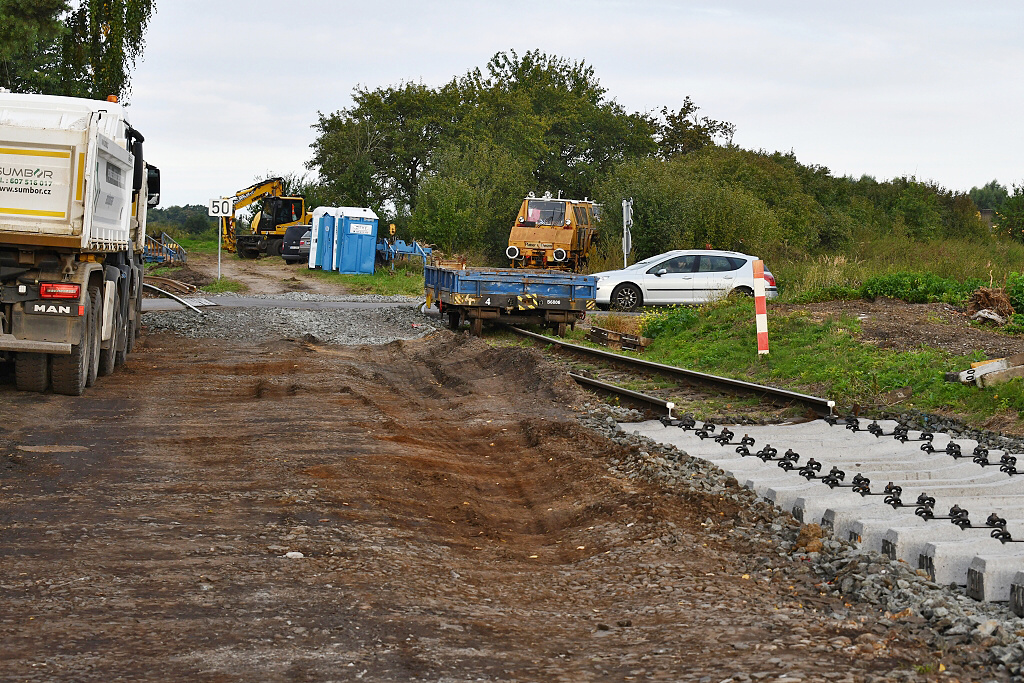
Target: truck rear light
x,y
54,290
769,279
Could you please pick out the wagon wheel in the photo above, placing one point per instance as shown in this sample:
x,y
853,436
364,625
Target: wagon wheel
x,y
454,320
477,327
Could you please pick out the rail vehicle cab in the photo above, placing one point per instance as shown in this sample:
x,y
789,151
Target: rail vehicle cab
x,y
552,232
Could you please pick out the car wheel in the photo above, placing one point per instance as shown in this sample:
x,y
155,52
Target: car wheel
x,y
627,297
742,291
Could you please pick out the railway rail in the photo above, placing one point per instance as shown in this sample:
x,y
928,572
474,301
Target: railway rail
x,y
774,395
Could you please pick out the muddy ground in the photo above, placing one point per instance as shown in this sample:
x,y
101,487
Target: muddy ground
x,y
455,524
454,520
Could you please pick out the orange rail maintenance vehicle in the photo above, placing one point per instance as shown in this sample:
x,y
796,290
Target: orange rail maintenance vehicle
x,y
552,232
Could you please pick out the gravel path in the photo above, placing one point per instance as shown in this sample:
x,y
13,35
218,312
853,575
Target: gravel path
x,y
257,325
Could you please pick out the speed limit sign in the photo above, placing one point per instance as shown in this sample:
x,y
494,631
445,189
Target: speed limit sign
x,y
220,207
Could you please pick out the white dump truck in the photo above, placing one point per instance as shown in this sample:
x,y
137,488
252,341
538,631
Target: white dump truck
x,y
74,190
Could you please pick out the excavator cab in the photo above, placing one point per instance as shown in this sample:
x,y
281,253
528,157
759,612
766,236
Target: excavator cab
x,y
279,213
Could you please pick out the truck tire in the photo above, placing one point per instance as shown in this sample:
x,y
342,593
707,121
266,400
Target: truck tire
x,y
121,353
274,247
94,339
109,356
32,371
68,373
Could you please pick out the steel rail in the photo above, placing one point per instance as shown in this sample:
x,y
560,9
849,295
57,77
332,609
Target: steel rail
x,y
173,296
667,406
822,406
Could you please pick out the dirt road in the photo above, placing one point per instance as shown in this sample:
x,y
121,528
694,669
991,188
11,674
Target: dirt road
x,y
455,523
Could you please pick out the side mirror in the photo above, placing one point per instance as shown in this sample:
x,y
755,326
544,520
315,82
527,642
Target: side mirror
x,y
152,186
661,272
140,166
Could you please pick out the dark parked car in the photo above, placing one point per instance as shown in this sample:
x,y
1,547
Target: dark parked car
x,y
295,247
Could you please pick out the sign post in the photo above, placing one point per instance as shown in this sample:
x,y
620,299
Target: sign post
x,y
627,223
220,208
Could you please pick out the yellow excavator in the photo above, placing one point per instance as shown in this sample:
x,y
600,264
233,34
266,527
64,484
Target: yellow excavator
x,y
269,224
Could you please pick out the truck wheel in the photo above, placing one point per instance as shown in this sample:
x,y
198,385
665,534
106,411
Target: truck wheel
x,y
109,356
32,371
476,327
121,352
627,297
68,373
94,338
248,253
454,320
274,247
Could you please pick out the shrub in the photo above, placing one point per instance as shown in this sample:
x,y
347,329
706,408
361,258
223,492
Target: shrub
x,y
918,288
668,321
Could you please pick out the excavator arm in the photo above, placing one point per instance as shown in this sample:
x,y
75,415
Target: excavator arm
x,y
272,187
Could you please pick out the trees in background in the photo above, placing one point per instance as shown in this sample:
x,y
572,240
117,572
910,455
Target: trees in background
x,y
451,165
82,49
990,195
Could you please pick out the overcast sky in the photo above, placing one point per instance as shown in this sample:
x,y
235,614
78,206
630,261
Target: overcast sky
x,y
228,90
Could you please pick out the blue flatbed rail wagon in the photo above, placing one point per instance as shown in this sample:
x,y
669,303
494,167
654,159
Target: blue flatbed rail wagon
x,y
553,298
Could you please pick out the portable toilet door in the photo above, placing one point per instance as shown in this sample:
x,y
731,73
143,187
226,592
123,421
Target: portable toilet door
x,y
325,249
322,218
356,241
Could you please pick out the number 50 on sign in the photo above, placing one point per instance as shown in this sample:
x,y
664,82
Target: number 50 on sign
x,y
220,207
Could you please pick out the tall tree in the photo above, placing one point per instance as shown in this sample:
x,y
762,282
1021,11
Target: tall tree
x,y
583,134
83,50
681,132
105,39
29,31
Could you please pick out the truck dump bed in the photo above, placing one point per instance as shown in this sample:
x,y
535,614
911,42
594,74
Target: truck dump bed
x,y
64,181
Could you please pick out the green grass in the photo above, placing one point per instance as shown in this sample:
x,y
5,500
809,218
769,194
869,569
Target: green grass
x,y
804,278
224,285
199,245
406,281
828,359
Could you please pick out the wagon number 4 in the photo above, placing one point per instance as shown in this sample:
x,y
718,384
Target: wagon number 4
x,y
487,302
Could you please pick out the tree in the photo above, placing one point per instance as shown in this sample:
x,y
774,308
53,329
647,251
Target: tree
x,y
682,132
468,201
376,151
1011,215
989,196
582,134
86,50
28,30
105,39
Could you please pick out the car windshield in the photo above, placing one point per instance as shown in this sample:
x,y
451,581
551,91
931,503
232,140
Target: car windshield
x,y
545,212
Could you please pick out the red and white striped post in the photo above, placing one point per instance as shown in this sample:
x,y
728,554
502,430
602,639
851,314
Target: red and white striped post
x,y
760,308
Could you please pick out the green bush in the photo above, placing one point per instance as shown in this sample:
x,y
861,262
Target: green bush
x,y
668,321
834,293
1015,290
918,288
1015,324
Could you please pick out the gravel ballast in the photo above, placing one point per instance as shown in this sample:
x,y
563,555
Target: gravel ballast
x,y
976,634
258,325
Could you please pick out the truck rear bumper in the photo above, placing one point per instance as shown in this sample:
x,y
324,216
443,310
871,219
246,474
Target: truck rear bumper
x,y
8,342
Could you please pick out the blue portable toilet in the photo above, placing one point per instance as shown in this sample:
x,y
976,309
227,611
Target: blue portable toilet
x,y
355,240
321,244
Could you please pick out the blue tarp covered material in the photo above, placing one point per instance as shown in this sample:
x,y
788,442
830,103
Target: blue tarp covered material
x,y
344,239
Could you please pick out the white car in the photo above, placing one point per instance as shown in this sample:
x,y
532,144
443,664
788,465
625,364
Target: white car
x,y
691,276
